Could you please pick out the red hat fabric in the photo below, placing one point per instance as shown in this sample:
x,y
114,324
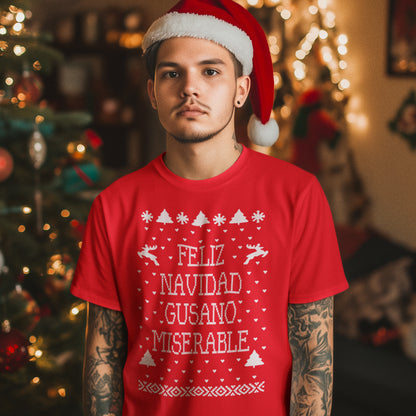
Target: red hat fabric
x,y
233,27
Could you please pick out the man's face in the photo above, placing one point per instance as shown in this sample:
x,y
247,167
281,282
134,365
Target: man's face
x,y
195,89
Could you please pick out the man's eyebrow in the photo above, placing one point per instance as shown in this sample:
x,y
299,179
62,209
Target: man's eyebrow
x,y
169,64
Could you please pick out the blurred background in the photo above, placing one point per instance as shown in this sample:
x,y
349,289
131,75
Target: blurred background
x,y
74,116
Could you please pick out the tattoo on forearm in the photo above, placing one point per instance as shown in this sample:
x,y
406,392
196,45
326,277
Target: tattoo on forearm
x,y
311,342
104,360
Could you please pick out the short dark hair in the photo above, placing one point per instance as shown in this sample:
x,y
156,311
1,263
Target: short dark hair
x,y
151,57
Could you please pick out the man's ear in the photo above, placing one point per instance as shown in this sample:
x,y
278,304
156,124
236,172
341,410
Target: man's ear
x,y
243,89
151,93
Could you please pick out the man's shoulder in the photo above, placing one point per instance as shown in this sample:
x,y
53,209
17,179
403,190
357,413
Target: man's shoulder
x,y
131,182
279,168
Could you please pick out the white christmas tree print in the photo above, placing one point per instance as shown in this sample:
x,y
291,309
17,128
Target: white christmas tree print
x,y
254,360
147,360
147,216
219,220
238,218
164,218
258,217
182,218
200,220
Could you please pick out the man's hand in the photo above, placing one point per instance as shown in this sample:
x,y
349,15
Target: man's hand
x,y
310,328
105,355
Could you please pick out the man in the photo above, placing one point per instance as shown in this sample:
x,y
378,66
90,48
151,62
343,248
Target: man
x,y
210,272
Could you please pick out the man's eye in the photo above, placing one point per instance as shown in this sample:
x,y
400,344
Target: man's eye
x,y
211,72
171,74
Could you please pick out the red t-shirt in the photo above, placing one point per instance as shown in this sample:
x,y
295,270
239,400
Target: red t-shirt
x,y
203,272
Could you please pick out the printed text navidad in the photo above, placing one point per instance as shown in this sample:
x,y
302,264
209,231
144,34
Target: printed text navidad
x,y
204,313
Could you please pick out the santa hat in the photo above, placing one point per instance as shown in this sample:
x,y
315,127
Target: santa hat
x,y
233,27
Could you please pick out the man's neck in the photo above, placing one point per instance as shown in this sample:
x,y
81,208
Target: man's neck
x,y
198,161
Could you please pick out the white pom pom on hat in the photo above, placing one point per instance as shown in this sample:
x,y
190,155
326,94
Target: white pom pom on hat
x,y
233,27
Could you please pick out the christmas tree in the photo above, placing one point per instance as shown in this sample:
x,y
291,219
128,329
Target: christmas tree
x,y
49,174
309,58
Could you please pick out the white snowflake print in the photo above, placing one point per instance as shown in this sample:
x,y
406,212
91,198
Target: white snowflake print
x,y
219,220
258,217
147,216
182,218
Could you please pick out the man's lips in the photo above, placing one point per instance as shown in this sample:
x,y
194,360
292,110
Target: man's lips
x,y
191,111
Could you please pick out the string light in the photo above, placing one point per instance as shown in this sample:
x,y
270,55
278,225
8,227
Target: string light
x,y
35,380
25,270
19,50
286,14
65,213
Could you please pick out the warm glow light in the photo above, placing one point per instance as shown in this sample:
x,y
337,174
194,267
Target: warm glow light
x,y
272,40
26,210
21,228
37,66
343,64
323,4
32,339
80,148
306,46
253,2
344,84
38,353
285,111
20,17
277,79
65,213
25,270
46,227
342,39
9,81
62,392
3,30
35,380
285,14
17,27
300,54
53,236
75,311
274,49
19,50
330,19
313,10
342,49
323,34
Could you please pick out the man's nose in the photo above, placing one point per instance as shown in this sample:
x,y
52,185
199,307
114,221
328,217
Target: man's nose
x,y
190,87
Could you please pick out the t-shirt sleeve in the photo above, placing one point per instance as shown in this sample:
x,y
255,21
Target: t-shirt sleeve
x,y
94,278
316,271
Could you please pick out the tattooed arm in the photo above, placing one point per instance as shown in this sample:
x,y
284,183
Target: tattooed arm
x,y
311,343
105,355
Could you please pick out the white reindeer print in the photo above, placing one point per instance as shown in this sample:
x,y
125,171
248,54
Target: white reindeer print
x,y
259,251
146,253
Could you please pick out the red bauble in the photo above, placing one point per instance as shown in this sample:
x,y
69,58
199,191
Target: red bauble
x,y
29,88
13,351
6,164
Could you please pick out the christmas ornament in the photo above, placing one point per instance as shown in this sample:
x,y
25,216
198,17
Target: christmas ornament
x,y
30,87
22,310
94,139
6,164
60,269
80,177
37,148
405,121
13,349
313,125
